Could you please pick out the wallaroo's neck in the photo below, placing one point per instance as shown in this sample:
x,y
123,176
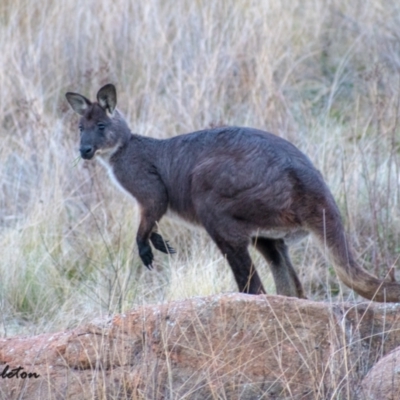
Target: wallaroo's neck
x,y
121,128
128,144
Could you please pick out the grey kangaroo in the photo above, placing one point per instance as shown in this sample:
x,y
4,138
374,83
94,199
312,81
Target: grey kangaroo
x,y
244,186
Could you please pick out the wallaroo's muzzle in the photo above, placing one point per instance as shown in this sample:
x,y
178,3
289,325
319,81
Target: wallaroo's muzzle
x,y
87,151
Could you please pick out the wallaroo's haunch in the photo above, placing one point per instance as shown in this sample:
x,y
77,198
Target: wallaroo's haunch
x,y
242,185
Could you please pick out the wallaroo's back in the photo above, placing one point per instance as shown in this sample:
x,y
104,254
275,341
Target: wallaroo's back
x,y
243,185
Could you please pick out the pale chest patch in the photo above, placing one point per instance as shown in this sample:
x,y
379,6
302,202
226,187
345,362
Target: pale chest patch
x,y
105,162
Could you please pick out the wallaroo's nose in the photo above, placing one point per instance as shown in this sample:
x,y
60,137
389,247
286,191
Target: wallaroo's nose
x,y
87,151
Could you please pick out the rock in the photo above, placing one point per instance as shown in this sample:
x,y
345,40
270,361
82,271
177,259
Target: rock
x,y
232,346
383,380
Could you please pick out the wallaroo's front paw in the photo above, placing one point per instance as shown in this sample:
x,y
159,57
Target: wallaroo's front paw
x,y
146,255
160,244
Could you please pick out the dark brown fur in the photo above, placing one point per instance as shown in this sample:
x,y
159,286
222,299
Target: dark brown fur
x,y
242,185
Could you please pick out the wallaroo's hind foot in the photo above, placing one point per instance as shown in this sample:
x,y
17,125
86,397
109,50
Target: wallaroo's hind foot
x,y
292,292
253,284
253,289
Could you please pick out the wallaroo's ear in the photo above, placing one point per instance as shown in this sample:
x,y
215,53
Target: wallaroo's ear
x,y
78,102
107,97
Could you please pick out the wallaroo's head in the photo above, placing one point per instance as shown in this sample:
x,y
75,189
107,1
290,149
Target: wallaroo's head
x,y
100,123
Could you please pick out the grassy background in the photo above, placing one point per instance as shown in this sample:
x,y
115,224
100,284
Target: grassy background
x,y
323,74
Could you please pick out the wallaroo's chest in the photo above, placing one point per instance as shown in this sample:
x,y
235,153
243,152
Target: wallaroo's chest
x,y
109,167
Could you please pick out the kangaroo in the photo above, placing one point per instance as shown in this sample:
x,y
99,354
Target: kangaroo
x,y
244,186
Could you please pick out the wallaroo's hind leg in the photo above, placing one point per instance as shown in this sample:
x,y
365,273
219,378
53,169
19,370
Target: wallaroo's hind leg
x,y
240,262
232,240
242,267
286,280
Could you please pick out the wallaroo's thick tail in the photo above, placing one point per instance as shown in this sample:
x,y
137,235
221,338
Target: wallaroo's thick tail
x,y
351,273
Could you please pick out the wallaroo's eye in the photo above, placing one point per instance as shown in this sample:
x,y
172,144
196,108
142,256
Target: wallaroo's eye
x,y
101,126
81,128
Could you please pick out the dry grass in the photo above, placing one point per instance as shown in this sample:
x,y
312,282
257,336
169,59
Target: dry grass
x,y
323,74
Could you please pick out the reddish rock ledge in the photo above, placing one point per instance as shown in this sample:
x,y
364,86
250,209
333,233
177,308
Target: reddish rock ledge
x,y
231,346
